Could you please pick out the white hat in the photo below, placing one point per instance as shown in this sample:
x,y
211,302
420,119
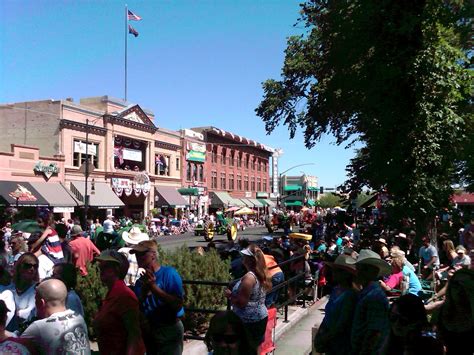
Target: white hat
x,y
402,235
135,236
369,257
247,252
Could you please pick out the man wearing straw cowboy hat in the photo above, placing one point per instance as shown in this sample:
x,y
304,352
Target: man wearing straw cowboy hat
x,y
131,238
371,327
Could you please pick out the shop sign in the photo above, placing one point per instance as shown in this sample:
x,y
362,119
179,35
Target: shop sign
x,y
63,209
197,147
248,194
132,154
47,170
22,194
196,156
262,195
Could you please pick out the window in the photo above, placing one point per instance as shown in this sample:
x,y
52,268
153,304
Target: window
x,y
223,156
201,172
253,164
231,158
177,164
265,166
130,154
214,180
188,171
214,155
223,181
259,184
246,183
239,182
195,172
259,166
247,158
252,183
265,185
231,181
239,160
79,156
162,163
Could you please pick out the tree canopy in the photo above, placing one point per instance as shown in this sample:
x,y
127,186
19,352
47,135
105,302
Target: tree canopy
x,y
393,75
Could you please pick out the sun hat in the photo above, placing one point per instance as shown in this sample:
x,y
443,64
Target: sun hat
x,y
369,257
76,230
134,236
382,241
144,246
342,263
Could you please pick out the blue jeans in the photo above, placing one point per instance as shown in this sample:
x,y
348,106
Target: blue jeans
x,y
272,297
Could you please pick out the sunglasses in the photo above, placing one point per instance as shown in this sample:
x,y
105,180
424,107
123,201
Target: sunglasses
x,y
226,338
27,266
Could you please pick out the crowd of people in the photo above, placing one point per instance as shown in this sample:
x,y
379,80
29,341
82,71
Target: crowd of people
x,y
386,295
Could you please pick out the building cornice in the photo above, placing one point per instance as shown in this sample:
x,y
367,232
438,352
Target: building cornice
x,y
165,145
82,127
81,109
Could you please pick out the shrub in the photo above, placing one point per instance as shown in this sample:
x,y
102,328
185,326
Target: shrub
x,y
91,291
192,266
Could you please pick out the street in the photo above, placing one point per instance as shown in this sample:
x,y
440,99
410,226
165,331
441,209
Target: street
x,y
170,242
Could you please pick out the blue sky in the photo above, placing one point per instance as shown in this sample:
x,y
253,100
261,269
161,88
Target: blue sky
x,y
194,63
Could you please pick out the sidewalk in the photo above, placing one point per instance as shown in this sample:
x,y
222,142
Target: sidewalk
x,y
294,337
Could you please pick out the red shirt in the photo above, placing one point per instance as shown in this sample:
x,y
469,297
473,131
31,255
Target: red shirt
x,y
83,252
109,321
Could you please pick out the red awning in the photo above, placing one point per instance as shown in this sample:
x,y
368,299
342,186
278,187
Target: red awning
x,y
464,199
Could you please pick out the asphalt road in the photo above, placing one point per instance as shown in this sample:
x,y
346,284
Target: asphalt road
x,y
169,242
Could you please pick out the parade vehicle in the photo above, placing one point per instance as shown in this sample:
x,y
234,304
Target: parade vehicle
x,y
223,225
301,236
277,221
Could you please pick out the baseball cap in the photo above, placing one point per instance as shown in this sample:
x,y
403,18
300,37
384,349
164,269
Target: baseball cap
x,y
144,246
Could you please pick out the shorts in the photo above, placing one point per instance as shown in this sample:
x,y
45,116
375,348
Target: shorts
x,y
256,331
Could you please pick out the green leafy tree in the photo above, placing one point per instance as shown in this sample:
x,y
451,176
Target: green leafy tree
x,y
392,75
330,201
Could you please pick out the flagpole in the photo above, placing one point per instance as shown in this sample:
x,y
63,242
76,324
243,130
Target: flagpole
x,y
126,35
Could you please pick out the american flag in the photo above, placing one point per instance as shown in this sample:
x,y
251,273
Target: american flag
x,y
133,17
132,31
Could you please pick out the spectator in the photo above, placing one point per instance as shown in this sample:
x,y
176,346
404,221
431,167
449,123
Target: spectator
x,y
248,295
370,327
410,330
117,322
58,330
45,264
25,278
83,250
63,232
334,335
226,335
428,257
18,247
461,259
49,242
402,277
456,318
275,274
67,273
131,238
160,291
8,343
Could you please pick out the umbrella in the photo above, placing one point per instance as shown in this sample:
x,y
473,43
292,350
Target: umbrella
x,y
232,209
244,210
27,226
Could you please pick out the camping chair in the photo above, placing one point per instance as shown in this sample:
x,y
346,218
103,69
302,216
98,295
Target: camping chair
x,y
268,346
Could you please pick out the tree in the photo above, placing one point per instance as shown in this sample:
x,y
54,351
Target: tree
x,y
329,201
392,75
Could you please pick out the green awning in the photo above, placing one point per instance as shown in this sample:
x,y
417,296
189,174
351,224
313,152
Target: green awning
x,y
189,191
292,188
263,202
293,203
193,155
313,188
311,203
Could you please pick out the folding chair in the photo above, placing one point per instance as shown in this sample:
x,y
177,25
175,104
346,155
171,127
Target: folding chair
x,y
268,346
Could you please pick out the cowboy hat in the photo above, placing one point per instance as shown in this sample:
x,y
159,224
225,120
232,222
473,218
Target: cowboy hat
x,y
381,241
342,263
369,257
134,236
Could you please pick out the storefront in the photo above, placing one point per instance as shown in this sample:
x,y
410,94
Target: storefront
x,y
134,193
169,201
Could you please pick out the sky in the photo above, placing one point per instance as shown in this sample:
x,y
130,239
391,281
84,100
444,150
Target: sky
x,y
194,63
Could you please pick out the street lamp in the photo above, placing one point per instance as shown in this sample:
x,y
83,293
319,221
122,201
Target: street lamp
x,y
17,194
279,179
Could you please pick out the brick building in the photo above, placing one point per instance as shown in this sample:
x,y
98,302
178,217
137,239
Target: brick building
x,y
236,169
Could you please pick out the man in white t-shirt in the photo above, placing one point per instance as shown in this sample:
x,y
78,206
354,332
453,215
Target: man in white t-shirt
x,y
109,225
59,330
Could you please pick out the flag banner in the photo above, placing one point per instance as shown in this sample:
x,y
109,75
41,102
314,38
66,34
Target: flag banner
x,y
132,31
133,17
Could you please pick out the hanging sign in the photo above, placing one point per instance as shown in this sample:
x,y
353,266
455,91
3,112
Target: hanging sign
x,y
198,147
80,147
47,170
132,154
